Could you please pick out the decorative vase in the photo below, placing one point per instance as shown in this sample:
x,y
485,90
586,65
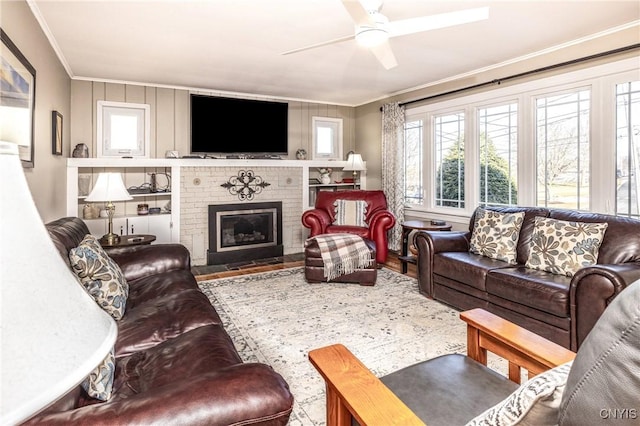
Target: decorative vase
x,y
325,179
301,154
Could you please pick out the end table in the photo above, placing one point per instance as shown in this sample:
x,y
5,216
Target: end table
x,y
131,240
418,225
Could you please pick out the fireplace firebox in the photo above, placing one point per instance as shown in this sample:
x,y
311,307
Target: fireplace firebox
x,y
246,231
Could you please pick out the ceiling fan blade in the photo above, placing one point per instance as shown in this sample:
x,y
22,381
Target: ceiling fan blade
x,y
432,22
385,55
324,43
358,13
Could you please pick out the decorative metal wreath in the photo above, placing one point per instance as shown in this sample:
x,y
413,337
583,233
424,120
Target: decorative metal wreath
x,y
245,185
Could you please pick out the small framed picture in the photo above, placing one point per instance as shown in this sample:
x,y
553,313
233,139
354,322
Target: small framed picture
x,y
56,133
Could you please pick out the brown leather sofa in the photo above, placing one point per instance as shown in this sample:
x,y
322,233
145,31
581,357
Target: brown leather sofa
x,y
175,363
562,309
378,218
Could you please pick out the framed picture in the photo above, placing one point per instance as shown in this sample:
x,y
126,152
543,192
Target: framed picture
x,y
17,99
56,133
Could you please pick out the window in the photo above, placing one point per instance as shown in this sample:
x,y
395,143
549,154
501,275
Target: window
x,y
498,136
413,162
569,141
627,148
449,160
562,149
327,138
123,129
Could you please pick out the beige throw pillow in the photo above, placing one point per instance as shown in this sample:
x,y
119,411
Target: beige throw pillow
x,y
495,235
350,212
563,247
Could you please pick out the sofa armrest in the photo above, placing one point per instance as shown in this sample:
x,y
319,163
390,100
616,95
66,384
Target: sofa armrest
x,y
592,289
353,390
140,261
317,220
241,394
430,243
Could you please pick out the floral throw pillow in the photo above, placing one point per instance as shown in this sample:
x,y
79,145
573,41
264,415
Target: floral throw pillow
x,y
350,212
99,384
563,247
495,235
100,275
536,402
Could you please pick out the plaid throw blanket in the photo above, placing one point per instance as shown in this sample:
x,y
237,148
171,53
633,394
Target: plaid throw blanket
x,y
342,254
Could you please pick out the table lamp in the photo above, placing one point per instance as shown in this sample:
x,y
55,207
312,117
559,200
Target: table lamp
x,y
355,164
52,331
109,188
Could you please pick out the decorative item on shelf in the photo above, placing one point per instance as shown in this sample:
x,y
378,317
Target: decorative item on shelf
x,y
155,210
84,184
90,211
355,165
172,154
301,154
53,335
143,209
109,188
80,151
325,175
245,185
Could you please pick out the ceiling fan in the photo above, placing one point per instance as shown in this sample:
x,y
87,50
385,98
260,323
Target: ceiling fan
x,y
373,29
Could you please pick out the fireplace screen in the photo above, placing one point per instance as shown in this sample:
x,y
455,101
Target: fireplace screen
x,y
244,228
244,231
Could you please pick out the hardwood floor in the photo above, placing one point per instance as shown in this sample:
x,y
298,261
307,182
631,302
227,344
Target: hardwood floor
x,y
211,272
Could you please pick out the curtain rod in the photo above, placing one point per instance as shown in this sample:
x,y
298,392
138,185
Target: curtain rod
x,y
526,73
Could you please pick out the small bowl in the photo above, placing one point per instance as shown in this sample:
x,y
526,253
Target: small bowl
x,y
154,210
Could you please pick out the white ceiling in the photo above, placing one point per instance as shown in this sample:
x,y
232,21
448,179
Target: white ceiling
x,y
235,45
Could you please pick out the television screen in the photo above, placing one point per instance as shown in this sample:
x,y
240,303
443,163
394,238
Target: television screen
x,y
238,126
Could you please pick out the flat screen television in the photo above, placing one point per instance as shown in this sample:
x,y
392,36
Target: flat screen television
x,y
238,126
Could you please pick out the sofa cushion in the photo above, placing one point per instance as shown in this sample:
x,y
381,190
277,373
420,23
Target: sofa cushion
x,y
350,212
496,234
540,290
563,247
534,403
100,275
163,318
99,384
467,268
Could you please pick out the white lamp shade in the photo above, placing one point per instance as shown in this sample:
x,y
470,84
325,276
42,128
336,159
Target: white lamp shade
x,y
109,187
52,331
354,163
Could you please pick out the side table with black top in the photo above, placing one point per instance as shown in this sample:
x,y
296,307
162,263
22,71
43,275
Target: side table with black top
x,y
417,225
131,240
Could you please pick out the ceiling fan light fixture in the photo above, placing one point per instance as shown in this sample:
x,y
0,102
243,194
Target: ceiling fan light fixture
x,y
371,36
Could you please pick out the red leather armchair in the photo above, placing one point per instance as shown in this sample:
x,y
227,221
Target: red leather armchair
x,y
379,219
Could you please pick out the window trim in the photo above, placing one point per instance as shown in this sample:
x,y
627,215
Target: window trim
x,y
601,80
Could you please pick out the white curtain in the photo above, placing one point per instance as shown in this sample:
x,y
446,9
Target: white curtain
x,y
393,167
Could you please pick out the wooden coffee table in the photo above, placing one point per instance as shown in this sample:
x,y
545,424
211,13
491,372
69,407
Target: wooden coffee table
x,y
418,225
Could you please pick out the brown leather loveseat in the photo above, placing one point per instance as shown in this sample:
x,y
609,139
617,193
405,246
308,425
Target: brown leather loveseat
x,y
175,363
563,309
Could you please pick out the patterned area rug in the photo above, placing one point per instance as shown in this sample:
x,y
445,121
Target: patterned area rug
x,y
277,318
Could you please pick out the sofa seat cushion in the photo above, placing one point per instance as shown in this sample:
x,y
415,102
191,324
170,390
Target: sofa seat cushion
x,y
356,230
467,268
159,285
163,318
536,289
